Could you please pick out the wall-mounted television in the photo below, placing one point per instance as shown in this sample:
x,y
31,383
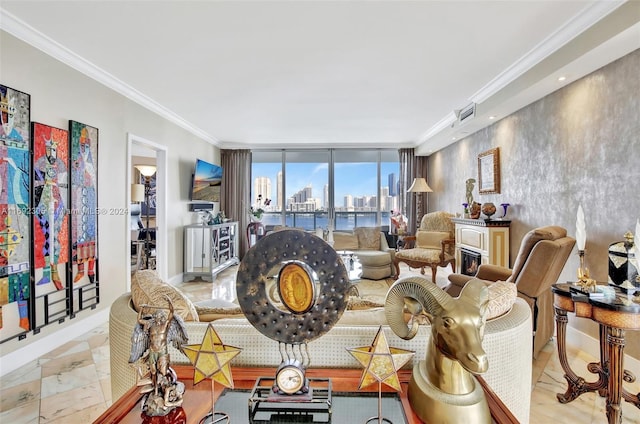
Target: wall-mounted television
x,y
206,181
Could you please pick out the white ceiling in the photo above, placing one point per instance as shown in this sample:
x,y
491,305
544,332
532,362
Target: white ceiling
x,y
329,73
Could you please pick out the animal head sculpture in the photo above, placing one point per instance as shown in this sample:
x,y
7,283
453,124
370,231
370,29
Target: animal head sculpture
x,y
457,324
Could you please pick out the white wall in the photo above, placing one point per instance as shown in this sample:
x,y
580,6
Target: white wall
x,y
58,94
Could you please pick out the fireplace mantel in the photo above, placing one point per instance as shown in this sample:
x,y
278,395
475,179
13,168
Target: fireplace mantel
x,y
487,238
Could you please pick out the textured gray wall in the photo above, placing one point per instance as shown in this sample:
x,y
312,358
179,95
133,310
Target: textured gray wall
x,y
578,145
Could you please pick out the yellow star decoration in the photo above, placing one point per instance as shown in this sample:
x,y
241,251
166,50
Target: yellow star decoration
x,y
381,362
211,358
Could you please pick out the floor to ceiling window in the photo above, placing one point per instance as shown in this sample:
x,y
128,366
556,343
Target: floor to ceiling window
x,y
317,188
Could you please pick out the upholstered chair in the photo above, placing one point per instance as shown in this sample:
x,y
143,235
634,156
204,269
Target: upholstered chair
x,y
543,253
434,245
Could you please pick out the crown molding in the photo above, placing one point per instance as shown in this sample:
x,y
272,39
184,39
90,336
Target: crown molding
x,y
567,32
445,122
25,32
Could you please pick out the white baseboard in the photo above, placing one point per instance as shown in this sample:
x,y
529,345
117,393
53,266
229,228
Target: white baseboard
x,y
176,279
591,346
16,359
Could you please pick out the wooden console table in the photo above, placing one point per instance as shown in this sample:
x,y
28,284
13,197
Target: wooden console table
x,y
614,316
197,399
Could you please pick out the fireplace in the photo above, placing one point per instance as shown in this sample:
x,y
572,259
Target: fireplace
x,y
470,261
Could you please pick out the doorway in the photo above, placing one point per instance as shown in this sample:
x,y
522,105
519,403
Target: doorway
x,y
143,151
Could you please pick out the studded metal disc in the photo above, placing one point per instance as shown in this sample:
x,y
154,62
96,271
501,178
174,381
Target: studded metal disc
x,y
265,259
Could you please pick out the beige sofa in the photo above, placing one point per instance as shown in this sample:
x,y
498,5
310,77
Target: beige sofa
x,y
370,245
509,372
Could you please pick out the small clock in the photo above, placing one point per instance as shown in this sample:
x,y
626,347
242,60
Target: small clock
x,y
290,378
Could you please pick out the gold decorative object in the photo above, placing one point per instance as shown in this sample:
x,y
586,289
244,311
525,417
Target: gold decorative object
x,y
381,363
163,392
442,387
211,359
585,282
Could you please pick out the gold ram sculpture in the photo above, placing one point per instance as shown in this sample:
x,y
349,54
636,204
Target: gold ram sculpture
x,y
442,387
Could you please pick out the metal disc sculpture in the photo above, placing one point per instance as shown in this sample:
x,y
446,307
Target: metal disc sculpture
x,y
292,287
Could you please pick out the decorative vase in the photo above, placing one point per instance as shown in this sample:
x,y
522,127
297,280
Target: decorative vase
x,y
488,209
254,218
474,213
504,206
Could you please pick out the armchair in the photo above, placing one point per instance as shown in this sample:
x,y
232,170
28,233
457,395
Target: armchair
x,y
543,253
434,245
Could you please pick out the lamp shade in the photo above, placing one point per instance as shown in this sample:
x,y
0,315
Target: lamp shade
x,y
137,192
420,186
146,170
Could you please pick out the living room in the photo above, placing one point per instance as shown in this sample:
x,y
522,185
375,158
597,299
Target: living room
x,y
572,147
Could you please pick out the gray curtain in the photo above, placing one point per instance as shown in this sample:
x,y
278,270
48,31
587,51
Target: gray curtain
x,y
236,191
407,172
412,166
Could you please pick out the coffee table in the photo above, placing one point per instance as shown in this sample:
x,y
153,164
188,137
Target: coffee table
x,y
197,399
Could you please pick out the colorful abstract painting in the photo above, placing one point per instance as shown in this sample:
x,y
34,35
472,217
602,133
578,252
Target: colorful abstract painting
x,y
84,203
15,169
50,207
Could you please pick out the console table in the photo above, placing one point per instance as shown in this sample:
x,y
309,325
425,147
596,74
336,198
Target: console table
x,y
209,249
197,399
482,241
614,316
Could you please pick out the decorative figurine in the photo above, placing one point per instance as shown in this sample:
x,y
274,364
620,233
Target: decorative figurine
x,y
163,392
469,188
442,387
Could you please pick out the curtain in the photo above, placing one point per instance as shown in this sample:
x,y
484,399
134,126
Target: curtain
x,y
412,166
406,200
236,191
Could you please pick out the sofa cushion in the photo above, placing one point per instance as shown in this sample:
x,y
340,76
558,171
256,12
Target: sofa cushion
x,y
148,289
345,241
373,258
529,241
368,237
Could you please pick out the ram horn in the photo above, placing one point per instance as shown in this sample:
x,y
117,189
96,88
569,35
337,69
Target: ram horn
x,y
413,295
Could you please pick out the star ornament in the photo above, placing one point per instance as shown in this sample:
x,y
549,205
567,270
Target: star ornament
x,y
381,362
211,358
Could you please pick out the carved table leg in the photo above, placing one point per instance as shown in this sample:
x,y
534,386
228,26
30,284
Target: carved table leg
x,y
576,385
615,345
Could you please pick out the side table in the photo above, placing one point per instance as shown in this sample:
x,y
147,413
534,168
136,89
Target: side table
x,y
614,316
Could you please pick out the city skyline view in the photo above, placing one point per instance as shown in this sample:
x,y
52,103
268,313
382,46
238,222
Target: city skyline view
x,y
354,182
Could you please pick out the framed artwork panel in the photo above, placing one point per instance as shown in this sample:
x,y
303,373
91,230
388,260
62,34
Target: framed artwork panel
x,y
84,219
489,171
16,309
50,224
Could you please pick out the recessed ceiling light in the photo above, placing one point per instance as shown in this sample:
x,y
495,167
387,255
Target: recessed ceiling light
x,y
453,138
562,78
492,117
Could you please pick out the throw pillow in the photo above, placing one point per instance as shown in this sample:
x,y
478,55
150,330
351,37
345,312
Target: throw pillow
x,y
368,237
344,241
502,295
214,309
148,289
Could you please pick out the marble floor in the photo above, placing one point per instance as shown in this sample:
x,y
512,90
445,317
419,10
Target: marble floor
x,y
71,383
